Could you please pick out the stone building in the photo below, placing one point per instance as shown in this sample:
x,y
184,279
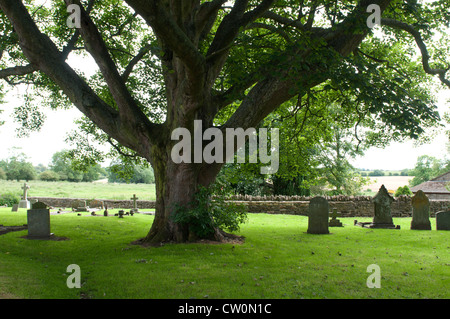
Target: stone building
x,y
435,188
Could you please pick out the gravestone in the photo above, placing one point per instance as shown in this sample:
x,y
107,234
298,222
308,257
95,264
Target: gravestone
x,y
79,206
38,220
25,203
382,211
421,212
134,199
15,208
334,222
121,213
443,220
96,204
382,203
318,216
105,213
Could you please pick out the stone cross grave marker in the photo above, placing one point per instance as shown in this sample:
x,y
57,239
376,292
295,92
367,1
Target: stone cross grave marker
x,y
318,216
25,203
134,199
25,188
38,220
421,212
443,220
334,222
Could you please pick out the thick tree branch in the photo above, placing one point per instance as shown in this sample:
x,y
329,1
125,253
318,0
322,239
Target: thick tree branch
x,y
206,16
128,109
231,24
283,20
42,52
169,32
17,70
142,52
270,92
227,32
422,46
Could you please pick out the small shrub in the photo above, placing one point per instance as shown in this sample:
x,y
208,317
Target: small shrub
x,y
9,199
403,191
206,213
49,176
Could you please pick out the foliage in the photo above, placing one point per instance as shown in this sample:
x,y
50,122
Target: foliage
x,y
376,172
206,213
122,172
9,199
49,176
403,191
18,168
428,167
62,164
241,178
2,174
291,187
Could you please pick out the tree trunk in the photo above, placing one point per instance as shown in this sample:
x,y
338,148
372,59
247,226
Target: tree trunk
x,y
176,185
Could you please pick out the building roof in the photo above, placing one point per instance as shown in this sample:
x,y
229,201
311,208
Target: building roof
x,y
442,178
432,187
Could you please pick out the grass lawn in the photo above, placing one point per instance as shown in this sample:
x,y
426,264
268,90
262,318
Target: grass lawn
x,y
277,260
81,190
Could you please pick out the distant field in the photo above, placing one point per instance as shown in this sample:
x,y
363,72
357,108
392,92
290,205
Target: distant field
x,y
390,182
81,190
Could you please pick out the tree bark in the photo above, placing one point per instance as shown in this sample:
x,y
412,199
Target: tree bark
x,y
176,185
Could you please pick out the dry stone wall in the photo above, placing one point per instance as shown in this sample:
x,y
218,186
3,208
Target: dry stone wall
x,y
348,206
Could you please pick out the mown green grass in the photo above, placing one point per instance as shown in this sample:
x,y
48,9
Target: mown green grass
x,y
80,190
277,260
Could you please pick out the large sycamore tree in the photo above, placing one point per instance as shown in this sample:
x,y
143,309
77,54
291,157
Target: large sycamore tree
x,y
165,63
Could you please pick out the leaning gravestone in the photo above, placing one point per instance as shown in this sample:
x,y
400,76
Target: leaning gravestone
x,y
25,203
15,208
421,212
318,216
38,219
443,220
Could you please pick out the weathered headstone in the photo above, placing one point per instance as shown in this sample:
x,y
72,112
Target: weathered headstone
x,y
15,208
443,220
318,216
382,211
121,213
105,213
96,204
79,206
382,203
334,222
25,203
38,220
134,199
421,212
